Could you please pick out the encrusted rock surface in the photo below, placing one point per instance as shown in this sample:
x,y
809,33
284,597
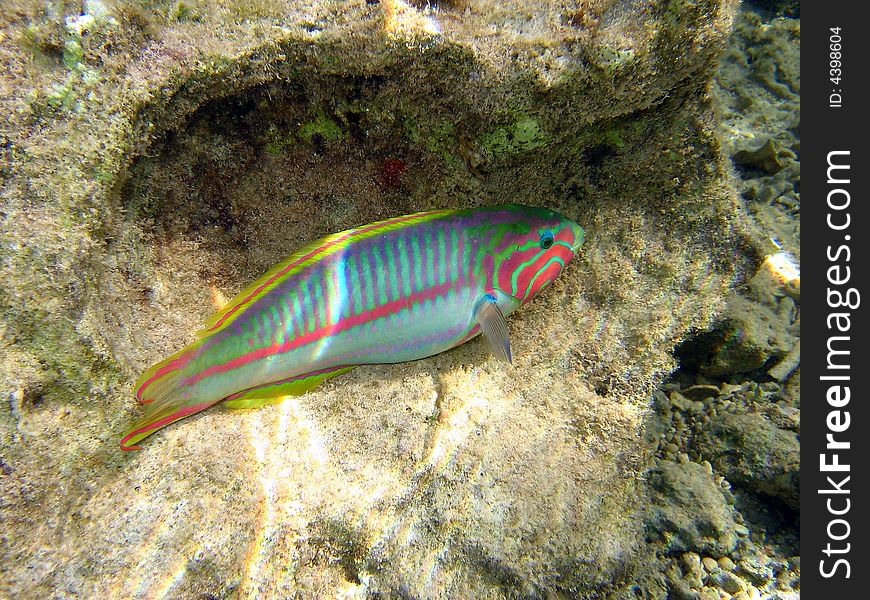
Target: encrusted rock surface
x,y
722,509
750,450
154,157
691,510
757,94
733,409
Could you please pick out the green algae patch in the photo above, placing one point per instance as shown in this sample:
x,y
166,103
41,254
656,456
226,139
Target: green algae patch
x,y
614,138
72,54
441,140
277,141
438,138
322,127
184,11
611,59
522,136
62,96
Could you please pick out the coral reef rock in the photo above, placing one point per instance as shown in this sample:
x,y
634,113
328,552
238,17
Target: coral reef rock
x,y
751,451
690,511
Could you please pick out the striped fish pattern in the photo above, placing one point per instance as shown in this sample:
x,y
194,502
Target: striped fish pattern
x,y
393,291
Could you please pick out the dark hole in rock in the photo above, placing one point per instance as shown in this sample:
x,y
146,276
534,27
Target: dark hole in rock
x,y
597,158
248,180
697,350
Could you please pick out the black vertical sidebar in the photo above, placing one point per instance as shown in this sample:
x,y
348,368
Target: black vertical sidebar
x,y
835,259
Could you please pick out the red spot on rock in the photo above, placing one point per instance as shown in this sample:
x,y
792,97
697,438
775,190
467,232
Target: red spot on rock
x,y
390,174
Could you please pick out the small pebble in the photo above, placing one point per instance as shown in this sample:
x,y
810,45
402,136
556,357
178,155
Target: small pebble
x,y
710,594
661,400
726,563
692,570
691,562
755,572
679,401
785,580
710,564
701,392
730,582
729,388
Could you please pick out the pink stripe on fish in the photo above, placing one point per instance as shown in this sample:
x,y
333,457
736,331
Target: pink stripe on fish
x,y
184,412
347,359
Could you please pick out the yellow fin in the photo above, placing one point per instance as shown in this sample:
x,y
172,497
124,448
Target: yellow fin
x,y
275,392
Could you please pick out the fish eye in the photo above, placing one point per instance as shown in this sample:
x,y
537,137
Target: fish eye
x,y
547,240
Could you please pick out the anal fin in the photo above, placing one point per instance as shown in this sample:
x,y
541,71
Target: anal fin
x,y
271,393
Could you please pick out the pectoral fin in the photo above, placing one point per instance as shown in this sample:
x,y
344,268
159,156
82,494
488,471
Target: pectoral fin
x,y
494,327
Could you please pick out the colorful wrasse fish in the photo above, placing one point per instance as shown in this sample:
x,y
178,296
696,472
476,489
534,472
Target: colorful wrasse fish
x,y
393,291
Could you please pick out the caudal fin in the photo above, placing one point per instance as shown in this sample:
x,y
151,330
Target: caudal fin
x,y
158,380
162,388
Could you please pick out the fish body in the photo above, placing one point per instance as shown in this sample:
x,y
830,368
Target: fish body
x,y
393,291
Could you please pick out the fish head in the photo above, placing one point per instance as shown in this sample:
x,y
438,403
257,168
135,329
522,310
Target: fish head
x,y
533,249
